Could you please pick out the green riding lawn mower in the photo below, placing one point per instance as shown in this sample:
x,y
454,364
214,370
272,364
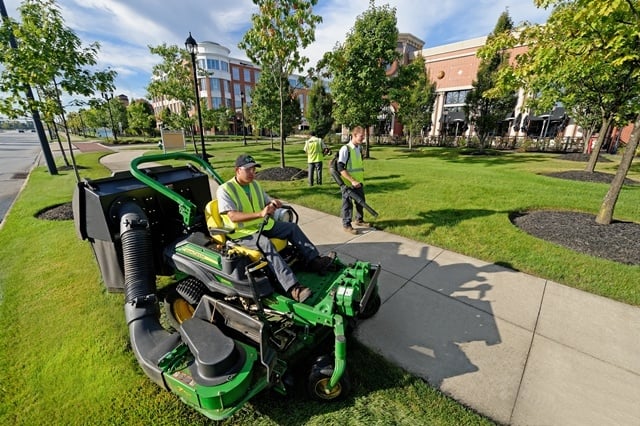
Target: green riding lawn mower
x,y
222,330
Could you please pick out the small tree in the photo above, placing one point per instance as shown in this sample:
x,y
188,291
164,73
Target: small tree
x,y
587,50
360,82
319,109
487,110
415,95
141,118
280,30
49,57
172,79
265,104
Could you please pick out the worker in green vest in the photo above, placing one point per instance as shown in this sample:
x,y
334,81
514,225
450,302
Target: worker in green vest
x,y
244,205
316,150
351,168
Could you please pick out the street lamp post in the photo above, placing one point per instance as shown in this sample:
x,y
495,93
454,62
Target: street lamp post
x,y
107,97
244,125
192,47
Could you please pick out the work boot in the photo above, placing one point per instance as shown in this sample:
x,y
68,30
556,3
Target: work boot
x,y
350,230
299,293
320,264
362,223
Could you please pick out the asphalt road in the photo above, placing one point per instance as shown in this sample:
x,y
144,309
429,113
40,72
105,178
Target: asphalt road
x,y
18,155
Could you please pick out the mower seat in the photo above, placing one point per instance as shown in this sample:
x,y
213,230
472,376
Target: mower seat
x,y
219,233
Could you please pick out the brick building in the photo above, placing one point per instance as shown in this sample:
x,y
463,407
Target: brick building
x,y
228,82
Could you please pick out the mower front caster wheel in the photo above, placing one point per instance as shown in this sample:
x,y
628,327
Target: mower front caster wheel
x,y
318,382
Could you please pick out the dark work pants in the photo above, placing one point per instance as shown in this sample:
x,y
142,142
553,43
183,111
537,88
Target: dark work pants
x,y
286,231
347,205
315,169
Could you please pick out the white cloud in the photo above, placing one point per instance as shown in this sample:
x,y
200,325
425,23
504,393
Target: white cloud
x,y
125,28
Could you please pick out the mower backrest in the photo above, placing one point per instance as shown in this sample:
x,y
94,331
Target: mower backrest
x,y
216,227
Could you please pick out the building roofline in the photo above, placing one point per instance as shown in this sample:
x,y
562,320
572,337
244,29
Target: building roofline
x,y
459,45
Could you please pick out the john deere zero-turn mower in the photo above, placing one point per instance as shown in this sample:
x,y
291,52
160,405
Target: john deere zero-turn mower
x,y
222,331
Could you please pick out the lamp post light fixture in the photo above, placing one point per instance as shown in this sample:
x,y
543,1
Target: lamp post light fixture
x,y
107,97
244,126
192,47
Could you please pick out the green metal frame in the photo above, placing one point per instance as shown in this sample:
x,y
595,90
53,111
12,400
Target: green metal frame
x,y
186,208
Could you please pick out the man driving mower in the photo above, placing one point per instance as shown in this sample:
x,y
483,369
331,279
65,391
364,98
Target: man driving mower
x,y
244,205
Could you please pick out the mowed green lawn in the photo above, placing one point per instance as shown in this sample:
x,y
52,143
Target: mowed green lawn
x,y
65,356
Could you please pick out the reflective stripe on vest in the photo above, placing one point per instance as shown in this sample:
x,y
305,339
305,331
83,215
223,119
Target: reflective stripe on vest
x,y
245,205
354,165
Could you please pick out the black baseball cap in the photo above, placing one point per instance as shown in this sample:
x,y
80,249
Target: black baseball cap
x,y
246,161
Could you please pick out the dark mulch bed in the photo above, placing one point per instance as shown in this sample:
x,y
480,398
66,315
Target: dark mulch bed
x,y
618,241
57,212
581,175
578,156
281,174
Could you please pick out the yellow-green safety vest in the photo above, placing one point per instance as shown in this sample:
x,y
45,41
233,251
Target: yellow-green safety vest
x,y
354,166
247,204
314,150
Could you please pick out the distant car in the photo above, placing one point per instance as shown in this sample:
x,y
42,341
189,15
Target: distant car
x,y
20,131
33,130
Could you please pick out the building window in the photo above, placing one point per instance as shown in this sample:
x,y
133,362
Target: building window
x,y
224,66
217,102
257,76
215,84
456,97
236,89
247,74
213,64
236,73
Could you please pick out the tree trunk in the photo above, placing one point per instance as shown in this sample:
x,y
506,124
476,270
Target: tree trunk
x,y
605,215
281,89
366,142
587,138
193,138
593,159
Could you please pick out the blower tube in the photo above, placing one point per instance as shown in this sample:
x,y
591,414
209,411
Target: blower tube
x,y
149,340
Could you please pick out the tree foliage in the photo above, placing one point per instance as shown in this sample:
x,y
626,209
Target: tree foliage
x,y
360,83
280,30
415,94
266,106
485,108
172,79
49,57
588,57
141,118
319,109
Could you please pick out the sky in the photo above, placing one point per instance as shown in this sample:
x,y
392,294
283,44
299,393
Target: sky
x,y
125,28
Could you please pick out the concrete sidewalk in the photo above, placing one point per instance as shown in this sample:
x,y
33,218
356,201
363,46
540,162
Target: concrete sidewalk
x,y
519,349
